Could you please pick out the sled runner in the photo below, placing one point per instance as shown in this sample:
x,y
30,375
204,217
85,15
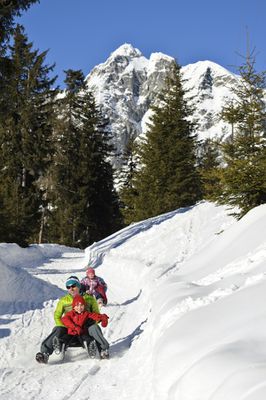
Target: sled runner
x,y
89,345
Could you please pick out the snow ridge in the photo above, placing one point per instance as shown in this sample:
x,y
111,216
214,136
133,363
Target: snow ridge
x,y
186,293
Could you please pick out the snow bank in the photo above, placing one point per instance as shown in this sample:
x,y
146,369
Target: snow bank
x,y
19,290
194,284
186,297
14,255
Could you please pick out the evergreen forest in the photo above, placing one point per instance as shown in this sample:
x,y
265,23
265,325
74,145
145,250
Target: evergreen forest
x,y
56,173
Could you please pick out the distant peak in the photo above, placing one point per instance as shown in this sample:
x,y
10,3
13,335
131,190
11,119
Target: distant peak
x,y
154,57
126,50
203,65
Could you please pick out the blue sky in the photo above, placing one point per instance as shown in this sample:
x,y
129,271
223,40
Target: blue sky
x,y
82,33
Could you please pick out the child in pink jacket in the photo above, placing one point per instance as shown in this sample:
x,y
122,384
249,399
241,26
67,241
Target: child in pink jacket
x,y
95,286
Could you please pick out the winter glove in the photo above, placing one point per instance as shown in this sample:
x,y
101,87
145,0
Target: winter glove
x,y
78,330
95,316
104,320
74,331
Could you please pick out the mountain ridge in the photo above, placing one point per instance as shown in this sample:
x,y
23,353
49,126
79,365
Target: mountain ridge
x,y
126,85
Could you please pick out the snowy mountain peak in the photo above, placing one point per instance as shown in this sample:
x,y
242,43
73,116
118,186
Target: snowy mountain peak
x,y
126,50
159,62
155,57
126,85
198,70
203,65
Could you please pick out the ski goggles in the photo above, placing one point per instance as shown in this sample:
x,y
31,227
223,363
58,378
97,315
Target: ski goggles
x,y
71,286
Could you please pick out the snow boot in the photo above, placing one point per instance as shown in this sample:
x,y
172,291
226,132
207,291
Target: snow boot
x,y
104,354
62,352
91,348
42,358
56,345
59,348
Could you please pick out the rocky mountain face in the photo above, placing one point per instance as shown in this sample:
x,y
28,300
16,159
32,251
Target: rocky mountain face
x,y
126,85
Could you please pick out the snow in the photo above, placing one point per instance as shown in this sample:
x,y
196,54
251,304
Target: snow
x,y
157,62
137,64
200,68
186,297
126,85
126,50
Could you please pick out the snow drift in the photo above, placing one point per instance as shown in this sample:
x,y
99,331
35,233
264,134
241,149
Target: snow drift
x,y
186,303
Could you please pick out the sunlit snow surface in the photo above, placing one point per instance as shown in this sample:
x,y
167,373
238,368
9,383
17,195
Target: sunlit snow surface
x,y
187,307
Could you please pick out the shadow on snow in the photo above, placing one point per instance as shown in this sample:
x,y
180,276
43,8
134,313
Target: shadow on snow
x,y
120,346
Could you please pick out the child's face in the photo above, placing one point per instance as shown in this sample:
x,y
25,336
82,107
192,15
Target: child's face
x,y
79,308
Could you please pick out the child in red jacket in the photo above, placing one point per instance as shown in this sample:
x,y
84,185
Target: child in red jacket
x,y
78,320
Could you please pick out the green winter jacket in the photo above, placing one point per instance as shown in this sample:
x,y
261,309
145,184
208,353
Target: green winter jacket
x,y
65,304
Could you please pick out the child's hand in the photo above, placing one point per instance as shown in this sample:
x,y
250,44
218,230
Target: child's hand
x,y
76,330
104,320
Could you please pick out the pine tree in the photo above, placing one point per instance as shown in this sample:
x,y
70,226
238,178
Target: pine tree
x,y
231,113
25,135
210,169
86,205
244,177
168,178
127,191
9,9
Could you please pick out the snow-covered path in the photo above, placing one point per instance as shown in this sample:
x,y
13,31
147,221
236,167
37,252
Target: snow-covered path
x,y
78,377
187,294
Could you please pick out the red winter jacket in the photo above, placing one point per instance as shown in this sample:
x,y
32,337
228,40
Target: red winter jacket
x,y
75,322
